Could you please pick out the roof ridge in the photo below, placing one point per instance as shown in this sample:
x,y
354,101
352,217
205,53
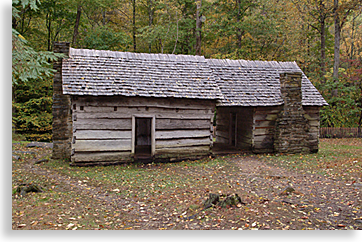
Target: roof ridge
x,y
134,55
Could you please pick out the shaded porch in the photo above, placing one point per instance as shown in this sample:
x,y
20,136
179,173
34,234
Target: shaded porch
x,y
226,149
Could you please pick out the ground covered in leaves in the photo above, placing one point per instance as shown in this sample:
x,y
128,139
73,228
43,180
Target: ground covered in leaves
x,y
324,192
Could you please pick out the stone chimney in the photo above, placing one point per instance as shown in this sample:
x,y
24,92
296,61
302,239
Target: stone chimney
x,y
62,117
291,132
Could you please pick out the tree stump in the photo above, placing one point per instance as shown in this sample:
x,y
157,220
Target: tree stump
x,y
230,200
26,188
212,200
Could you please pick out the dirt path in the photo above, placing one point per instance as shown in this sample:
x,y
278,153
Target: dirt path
x,y
316,203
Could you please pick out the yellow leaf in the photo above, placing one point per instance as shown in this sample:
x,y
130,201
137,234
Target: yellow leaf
x,y
20,36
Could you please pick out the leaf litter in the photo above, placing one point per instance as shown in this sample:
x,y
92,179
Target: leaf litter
x,y
171,195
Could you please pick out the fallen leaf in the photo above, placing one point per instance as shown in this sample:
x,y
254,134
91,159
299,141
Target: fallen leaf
x,y
34,223
70,225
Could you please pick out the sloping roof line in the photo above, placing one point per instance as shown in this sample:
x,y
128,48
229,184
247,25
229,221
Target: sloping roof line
x,y
257,83
232,82
135,56
254,64
102,72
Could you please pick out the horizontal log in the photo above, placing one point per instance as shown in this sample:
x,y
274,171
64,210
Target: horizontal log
x,y
102,145
272,109
182,142
119,111
263,123
263,138
143,102
266,131
182,134
183,151
101,124
129,113
174,124
183,116
102,134
101,156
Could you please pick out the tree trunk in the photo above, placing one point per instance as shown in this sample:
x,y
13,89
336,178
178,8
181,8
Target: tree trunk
x,y
323,49
238,22
150,21
49,28
337,39
174,48
134,25
76,26
352,38
198,28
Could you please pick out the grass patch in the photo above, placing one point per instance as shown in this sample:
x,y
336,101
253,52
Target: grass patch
x,y
142,180
337,158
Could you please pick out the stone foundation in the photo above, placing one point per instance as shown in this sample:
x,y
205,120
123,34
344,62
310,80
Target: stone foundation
x,y
62,116
291,131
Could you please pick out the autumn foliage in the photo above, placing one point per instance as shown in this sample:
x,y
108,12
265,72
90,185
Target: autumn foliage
x,y
298,30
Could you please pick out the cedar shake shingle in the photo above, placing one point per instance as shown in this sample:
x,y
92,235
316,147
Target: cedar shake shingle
x,y
256,83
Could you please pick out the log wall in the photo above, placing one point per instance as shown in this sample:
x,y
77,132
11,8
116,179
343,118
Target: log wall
x,y
263,128
256,127
244,126
102,128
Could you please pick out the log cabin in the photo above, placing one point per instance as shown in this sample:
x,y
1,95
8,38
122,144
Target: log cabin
x,y
113,107
267,106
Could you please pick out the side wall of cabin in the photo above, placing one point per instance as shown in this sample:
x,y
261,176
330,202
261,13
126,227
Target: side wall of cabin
x,y
104,128
263,128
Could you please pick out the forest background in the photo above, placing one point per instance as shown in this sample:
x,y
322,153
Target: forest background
x,y
323,36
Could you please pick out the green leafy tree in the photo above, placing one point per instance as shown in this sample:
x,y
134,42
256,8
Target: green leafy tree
x,y
32,115
104,38
28,63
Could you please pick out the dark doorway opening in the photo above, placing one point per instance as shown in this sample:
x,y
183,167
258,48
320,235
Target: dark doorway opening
x,y
233,129
143,143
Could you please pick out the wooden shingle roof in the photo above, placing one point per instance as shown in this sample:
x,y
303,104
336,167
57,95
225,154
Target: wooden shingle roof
x,y
100,72
232,82
256,83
